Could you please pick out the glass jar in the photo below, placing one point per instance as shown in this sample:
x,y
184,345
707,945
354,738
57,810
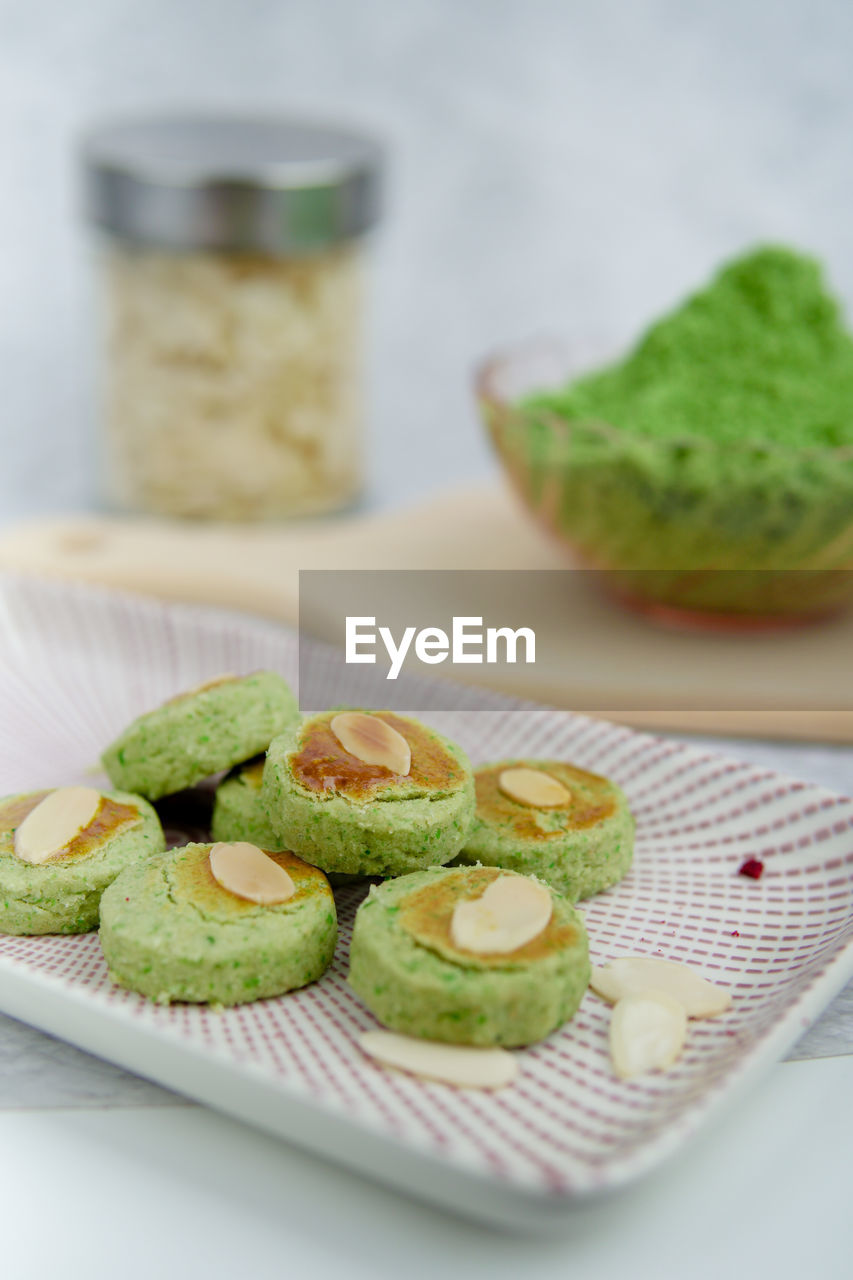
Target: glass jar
x,y
232,272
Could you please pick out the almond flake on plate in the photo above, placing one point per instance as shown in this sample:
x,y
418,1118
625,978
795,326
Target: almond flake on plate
x,y
462,1065
647,1033
631,975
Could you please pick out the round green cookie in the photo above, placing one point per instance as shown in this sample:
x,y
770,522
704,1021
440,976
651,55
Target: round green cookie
x,y
579,849
198,733
239,815
170,931
237,810
63,895
408,972
359,819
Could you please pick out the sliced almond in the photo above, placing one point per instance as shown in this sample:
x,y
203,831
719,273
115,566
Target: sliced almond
x,y
48,829
512,911
372,741
247,872
462,1065
647,1033
634,974
534,788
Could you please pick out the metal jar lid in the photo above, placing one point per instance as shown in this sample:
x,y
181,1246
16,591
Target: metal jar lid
x,y
185,182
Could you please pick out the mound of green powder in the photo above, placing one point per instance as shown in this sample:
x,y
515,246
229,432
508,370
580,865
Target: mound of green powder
x,y
762,354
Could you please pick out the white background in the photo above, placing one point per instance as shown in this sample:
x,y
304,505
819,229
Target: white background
x,y
556,167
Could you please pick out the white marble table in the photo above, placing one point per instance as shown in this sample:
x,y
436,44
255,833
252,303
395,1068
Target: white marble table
x,y
96,1194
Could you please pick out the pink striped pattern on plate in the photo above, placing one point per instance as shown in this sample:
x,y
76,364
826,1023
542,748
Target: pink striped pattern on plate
x,y
76,664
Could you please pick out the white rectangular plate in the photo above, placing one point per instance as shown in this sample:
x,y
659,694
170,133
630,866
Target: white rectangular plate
x,y
76,664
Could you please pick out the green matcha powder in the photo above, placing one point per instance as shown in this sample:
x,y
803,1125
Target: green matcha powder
x,y
723,441
761,354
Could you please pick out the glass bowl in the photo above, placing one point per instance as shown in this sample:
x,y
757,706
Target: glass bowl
x,y
686,530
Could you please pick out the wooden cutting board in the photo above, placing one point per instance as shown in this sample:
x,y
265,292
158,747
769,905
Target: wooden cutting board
x,y
784,684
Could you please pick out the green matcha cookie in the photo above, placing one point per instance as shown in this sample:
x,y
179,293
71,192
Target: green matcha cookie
x,y
345,815
198,733
239,815
171,931
582,844
63,893
409,972
237,810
